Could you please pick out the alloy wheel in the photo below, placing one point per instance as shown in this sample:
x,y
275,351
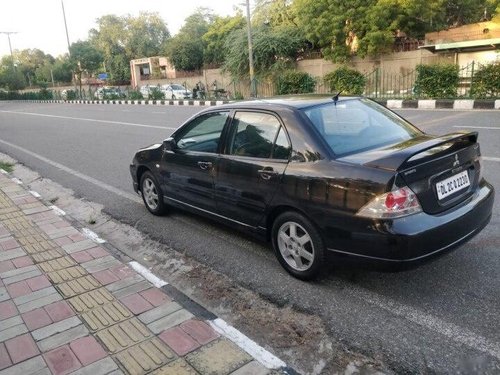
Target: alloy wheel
x,y
296,246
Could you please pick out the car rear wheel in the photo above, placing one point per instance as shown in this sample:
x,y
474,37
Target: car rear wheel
x,y
152,195
298,245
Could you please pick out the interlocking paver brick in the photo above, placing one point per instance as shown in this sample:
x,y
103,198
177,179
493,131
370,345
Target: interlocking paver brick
x,y
159,312
37,318
134,288
52,329
57,264
105,277
45,256
21,348
78,286
63,338
40,302
12,330
123,335
200,331
18,289
11,254
252,368
78,246
6,265
7,310
59,311
170,321
4,357
34,295
218,357
179,341
87,350
62,361
125,283
63,241
145,357
8,244
82,256
155,296
22,261
38,282
11,322
91,300
36,210
136,303
177,367
62,233
105,366
97,252
67,274
30,367
105,316
123,271
100,264
23,275
4,295
76,237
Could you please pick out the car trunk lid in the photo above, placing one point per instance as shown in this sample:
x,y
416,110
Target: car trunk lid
x,y
442,171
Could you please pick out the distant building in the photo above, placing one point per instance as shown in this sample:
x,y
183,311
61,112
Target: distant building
x,y
479,42
149,68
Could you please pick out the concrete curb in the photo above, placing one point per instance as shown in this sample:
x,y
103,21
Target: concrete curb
x,y
195,103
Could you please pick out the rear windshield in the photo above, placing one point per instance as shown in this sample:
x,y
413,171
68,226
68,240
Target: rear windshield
x,y
357,125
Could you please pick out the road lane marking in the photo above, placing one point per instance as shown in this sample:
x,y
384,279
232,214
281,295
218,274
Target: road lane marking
x,y
439,120
89,119
102,185
147,274
478,127
490,158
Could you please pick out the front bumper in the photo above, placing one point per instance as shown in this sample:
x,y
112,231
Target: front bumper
x,y
133,172
418,236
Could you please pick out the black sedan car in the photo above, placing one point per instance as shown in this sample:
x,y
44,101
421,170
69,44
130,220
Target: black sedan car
x,y
320,174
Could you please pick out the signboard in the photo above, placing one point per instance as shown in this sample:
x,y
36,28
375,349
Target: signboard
x,y
103,76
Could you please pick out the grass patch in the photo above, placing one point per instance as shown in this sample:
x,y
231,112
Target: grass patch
x,y
8,167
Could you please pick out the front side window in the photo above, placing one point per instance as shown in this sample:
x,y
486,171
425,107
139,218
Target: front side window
x,y
203,133
351,126
258,135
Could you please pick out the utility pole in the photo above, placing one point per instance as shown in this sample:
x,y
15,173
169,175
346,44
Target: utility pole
x,y
253,92
10,45
65,25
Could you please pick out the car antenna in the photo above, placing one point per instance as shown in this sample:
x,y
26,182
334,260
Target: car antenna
x,y
336,97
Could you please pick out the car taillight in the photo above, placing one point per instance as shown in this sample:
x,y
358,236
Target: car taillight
x,y
394,204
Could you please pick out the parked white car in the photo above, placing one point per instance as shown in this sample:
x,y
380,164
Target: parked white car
x,y
145,91
175,91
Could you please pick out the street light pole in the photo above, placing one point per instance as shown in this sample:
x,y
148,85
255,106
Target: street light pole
x,y
65,25
10,45
253,92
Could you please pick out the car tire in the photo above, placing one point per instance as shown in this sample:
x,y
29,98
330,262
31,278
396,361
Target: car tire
x,y
152,194
298,245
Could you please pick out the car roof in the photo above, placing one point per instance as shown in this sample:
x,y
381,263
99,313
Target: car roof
x,y
293,101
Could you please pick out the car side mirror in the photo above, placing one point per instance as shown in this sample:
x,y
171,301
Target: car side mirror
x,y
169,145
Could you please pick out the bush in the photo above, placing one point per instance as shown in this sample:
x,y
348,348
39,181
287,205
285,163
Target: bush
x,y
43,94
156,94
294,82
345,80
135,95
486,81
438,81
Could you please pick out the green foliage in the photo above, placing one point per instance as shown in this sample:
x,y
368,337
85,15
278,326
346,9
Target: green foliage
x,y
486,81
34,64
43,94
7,167
119,70
70,95
147,35
274,13
437,81
274,50
345,80
135,95
216,36
294,82
85,57
61,70
156,94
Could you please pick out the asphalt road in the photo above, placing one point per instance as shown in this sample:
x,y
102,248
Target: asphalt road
x,y
442,317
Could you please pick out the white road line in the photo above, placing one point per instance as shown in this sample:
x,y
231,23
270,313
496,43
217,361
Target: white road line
x,y
490,158
251,347
147,274
92,235
102,185
477,127
452,331
90,120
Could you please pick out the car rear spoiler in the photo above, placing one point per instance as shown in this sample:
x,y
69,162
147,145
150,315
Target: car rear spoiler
x,y
397,157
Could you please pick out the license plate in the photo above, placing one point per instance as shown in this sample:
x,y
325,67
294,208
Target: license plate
x,y
452,184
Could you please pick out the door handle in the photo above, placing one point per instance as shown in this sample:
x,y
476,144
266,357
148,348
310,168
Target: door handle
x,y
267,173
205,165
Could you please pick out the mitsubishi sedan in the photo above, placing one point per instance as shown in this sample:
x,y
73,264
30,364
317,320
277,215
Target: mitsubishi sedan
x,y
315,175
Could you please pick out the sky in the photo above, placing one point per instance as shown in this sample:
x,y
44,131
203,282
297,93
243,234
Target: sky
x,y
40,24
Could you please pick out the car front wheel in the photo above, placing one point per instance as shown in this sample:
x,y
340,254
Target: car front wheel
x,y
298,245
152,195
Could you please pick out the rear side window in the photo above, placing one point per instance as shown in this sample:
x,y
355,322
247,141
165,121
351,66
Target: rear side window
x,y
352,126
258,135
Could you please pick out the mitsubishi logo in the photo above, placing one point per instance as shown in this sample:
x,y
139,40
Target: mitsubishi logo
x,y
456,163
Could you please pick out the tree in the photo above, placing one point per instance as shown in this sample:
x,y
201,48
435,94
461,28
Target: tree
x,y
10,77
274,13
275,50
31,60
147,35
185,50
85,57
61,70
216,36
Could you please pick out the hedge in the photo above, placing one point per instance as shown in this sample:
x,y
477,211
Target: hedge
x,y
437,81
345,80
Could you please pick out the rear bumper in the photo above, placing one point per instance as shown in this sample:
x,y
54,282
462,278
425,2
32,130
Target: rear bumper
x,y
418,236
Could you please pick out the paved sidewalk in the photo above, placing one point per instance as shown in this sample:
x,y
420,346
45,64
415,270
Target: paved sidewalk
x,y
67,306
